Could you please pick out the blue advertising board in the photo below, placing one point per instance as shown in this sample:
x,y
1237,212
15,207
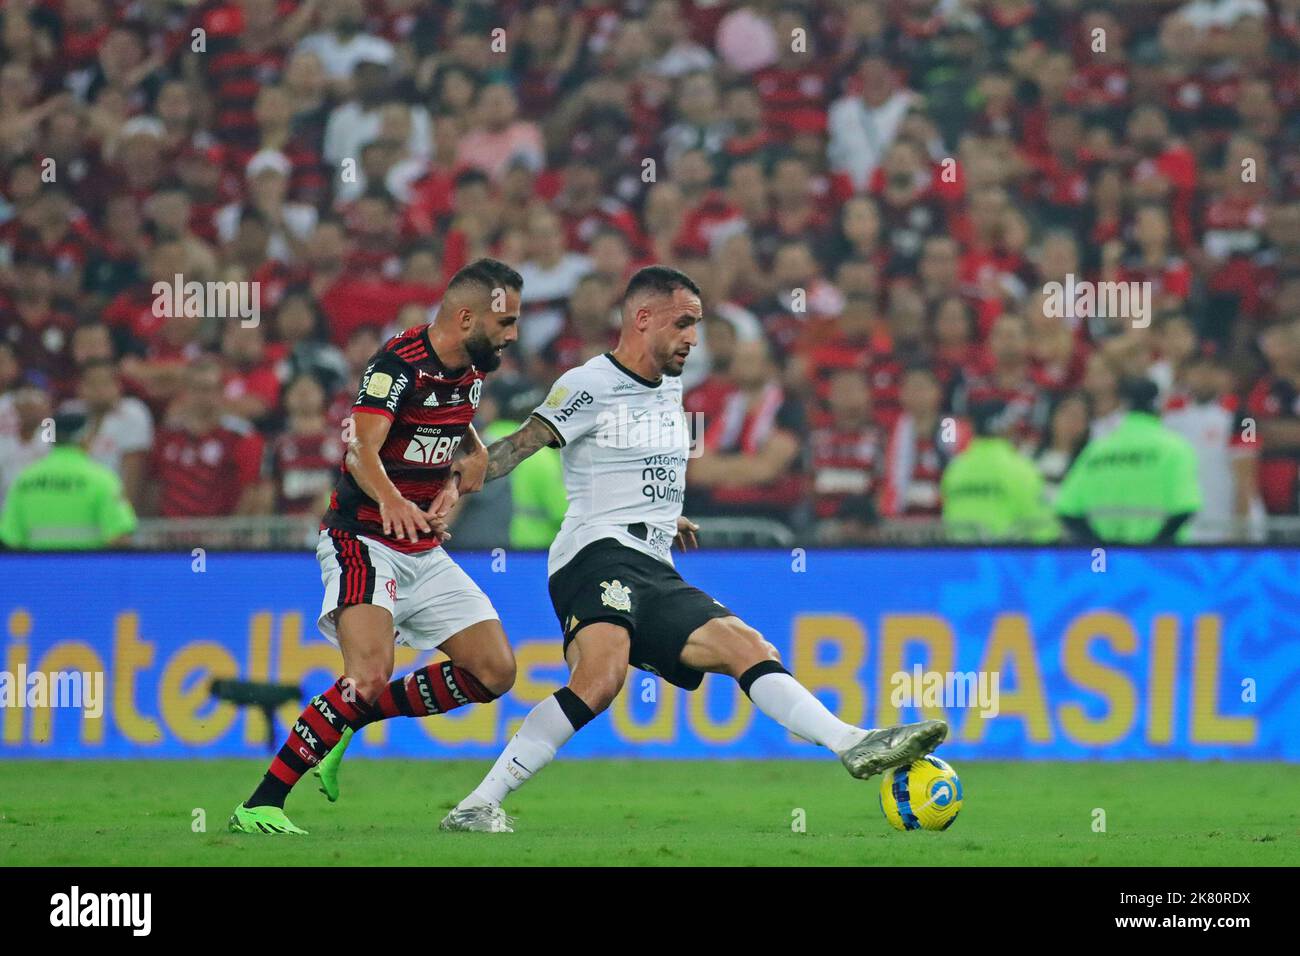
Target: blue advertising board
x,y
1029,653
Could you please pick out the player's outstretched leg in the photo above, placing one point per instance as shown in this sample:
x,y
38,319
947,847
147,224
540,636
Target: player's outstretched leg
x,y
598,660
729,646
365,633
481,669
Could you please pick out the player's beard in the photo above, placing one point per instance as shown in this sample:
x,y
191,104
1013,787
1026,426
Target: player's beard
x,y
482,352
673,366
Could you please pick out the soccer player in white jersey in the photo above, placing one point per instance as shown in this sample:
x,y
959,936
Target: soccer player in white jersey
x,y
619,423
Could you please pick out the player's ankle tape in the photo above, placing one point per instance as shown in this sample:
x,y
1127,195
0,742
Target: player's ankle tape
x,y
574,708
746,680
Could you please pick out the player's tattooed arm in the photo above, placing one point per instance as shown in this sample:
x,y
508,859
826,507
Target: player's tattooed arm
x,y
505,454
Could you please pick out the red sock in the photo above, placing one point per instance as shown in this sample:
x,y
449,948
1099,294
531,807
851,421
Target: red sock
x,y
433,689
314,734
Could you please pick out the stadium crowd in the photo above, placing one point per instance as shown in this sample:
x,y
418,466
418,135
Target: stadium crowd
x,y
875,196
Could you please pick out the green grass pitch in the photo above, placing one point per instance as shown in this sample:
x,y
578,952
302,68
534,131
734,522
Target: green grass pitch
x,y
604,812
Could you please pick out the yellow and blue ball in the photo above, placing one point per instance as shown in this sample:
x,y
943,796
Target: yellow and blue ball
x,y
925,796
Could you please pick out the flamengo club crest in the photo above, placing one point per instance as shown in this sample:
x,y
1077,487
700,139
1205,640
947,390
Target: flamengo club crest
x,y
616,595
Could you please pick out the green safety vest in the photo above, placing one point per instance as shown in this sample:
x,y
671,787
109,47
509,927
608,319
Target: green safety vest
x,y
991,492
536,492
1128,483
65,501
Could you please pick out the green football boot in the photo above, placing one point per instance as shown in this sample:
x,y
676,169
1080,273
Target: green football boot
x,y
327,771
269,820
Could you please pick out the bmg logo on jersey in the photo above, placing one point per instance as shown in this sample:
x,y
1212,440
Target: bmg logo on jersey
x,y
557,397
431,449
654,430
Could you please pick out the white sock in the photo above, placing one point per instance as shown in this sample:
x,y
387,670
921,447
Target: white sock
x,y
543,732
794,707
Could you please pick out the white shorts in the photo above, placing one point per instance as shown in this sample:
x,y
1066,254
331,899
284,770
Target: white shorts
x,y
428,594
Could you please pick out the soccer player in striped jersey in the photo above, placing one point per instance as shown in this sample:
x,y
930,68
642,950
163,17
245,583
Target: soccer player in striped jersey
x,y
387,578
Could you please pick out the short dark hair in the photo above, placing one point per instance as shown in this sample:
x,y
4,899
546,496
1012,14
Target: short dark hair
x,y
487,273
661,280
1139,393
989,417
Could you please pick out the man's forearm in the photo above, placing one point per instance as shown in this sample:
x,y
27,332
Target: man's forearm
x,y
368,472
505,454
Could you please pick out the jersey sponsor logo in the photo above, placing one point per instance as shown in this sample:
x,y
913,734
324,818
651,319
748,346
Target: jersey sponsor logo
x,y
325,711
616,595
431,401
581,401
430,449
379,384
426,693
457,694
396,392
303,731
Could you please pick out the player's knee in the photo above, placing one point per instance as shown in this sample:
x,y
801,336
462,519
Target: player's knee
x,y
496,671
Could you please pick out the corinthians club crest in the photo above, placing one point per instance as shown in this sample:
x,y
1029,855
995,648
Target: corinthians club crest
x,y
616,595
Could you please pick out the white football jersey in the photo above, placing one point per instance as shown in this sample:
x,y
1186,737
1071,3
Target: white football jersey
x,y
625,443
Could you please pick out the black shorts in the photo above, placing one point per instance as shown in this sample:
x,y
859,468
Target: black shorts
x,y
608,581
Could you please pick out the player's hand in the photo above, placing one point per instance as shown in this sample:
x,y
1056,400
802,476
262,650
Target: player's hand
x,y
444,500
472,468
403,519
686,529
440,529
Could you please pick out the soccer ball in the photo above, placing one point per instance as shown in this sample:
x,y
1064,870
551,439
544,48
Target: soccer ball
x,y
925,796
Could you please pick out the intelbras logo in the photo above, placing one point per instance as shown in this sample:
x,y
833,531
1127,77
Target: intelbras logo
x,y
78,909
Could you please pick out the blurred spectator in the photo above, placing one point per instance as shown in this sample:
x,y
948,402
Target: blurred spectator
x,y
500,138
1101,383
921,445
750,461
302,462
991,491
1274,402
863,124
120,433
29,440
1135,485
66,500
204,463
1226,455
1065,438
847,462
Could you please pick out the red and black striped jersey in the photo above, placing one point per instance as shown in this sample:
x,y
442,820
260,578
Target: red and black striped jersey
x,y
430,407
